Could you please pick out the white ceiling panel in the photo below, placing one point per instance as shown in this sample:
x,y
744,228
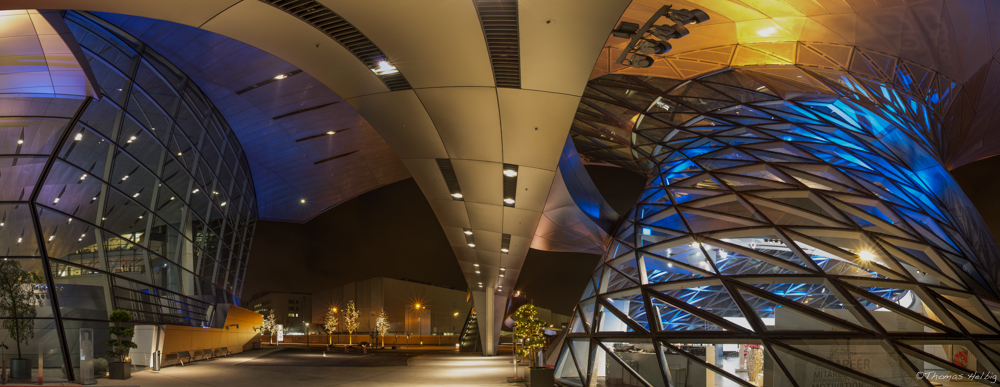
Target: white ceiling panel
x,y
520,222
533,188
428,177
450,212
468,120
485,217
487,241
432,43
401,119
560,41
456,237
481,182
535,126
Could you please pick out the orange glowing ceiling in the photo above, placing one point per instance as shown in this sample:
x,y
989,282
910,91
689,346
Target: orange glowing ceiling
x,y
954,38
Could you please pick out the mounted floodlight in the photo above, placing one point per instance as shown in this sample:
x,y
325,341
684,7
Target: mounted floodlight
x,y
652,47
640,61
666,32
694,16
650,39
625,30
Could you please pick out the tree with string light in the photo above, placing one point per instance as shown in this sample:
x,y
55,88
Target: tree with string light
x,y
382,325
351,321
330,323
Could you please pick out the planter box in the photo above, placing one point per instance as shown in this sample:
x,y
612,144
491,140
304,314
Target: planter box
x,y
20,369
119,370
541,377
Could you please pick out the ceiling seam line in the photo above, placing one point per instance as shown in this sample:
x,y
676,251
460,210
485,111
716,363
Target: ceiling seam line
x,y
202,25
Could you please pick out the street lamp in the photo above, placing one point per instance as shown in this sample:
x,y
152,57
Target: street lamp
x,y
419,327
307,334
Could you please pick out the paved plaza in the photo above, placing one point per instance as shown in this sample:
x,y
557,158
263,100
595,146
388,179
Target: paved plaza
x,y
301,366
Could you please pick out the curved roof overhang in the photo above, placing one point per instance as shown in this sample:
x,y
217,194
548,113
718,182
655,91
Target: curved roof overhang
x,y
451,108
283,124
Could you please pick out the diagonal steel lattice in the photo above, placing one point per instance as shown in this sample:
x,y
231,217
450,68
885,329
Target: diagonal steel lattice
x,y
798,223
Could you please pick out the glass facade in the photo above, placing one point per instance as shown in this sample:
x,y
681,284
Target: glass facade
x,y
141,200
788,235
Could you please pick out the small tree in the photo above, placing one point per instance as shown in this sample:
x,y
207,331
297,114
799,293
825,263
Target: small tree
x,y
16,301
330,323
270,324
531,330
350,321
382,325
120,345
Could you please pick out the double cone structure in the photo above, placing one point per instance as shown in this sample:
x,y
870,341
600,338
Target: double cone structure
x,y
791,233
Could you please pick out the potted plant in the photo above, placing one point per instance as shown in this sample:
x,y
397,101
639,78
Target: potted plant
x,y
16,305
531,331
120,344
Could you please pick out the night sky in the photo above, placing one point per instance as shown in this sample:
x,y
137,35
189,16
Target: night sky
x,y
392,232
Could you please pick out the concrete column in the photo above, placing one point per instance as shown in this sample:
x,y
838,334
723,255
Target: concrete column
x,y
490,308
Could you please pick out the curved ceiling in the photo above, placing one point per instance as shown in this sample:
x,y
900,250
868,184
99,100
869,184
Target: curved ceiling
x,y
957,40
452,112
281,123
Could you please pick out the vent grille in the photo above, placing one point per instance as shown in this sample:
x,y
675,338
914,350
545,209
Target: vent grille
x,y
499,20
344,33
510,186
450,179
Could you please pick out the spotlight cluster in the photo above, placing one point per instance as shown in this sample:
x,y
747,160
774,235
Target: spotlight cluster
x,y
651,39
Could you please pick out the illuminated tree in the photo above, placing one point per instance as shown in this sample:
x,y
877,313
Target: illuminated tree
x,y
382,325
330,323
531,330
351,321
270,324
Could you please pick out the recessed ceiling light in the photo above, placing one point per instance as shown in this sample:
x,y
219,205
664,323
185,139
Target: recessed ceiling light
x,y
456,195
475,264
509,172
303,201
501,275
330,132
468,232
504,250
196,190
280,76
79,136
20,141
503,269
472,245
384,68
508,201
477,271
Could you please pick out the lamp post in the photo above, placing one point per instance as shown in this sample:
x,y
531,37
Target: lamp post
x,y
307,334
419,327
338,323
